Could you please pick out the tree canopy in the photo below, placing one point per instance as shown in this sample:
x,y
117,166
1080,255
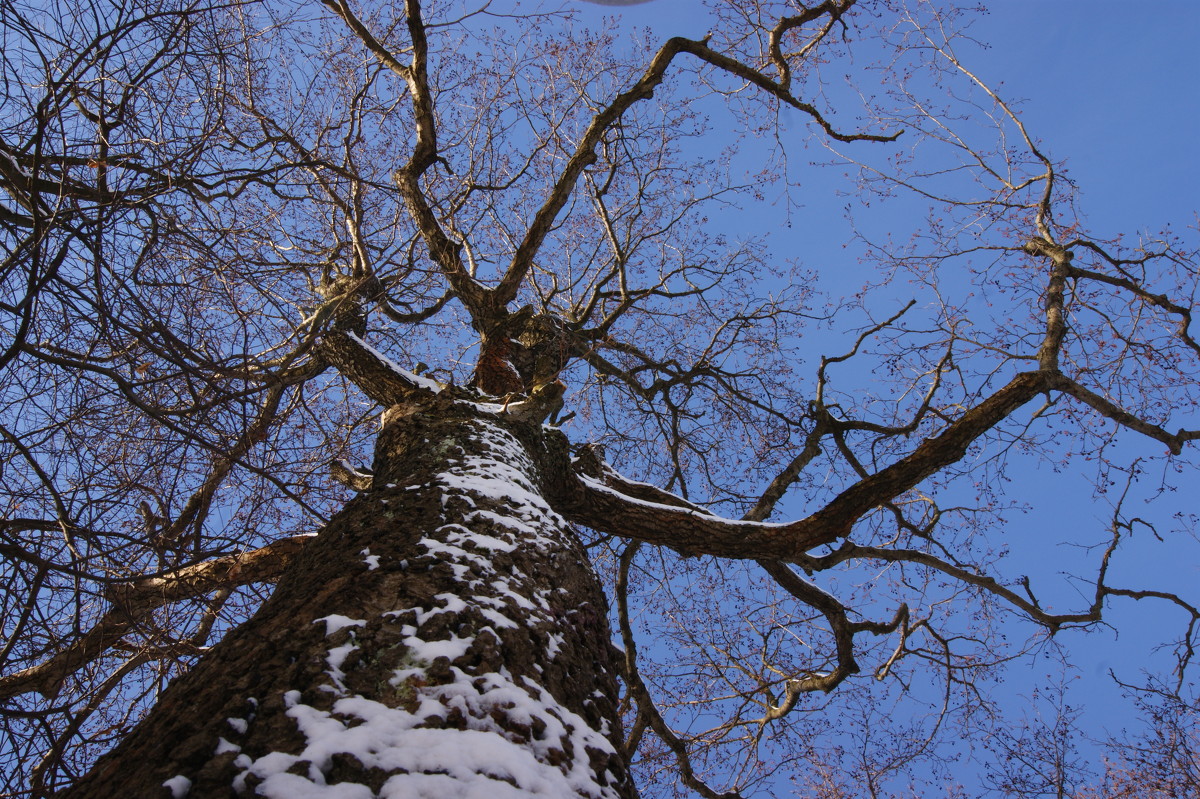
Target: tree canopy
x,y
235,233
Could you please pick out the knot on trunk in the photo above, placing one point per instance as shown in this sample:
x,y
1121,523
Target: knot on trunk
x,y
1038,246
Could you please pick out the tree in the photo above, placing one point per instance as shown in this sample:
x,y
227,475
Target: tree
x,y
238,233
1164,760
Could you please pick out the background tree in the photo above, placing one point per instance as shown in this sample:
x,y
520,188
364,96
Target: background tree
x,y
224,225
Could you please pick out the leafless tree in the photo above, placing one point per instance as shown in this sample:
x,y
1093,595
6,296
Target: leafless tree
x,y
1161,760
386,402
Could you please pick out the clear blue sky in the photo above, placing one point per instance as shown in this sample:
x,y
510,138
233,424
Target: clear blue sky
x,y
1112,88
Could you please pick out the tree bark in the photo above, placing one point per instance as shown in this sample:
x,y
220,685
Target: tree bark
x,y
443,636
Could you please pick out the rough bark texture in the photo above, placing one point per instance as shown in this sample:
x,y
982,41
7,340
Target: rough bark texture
x,y
443,636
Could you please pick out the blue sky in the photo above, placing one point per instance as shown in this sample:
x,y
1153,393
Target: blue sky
x,y
1112,89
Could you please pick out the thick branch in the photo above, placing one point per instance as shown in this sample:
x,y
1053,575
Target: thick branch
x,y
934,453
786,24
378,376
585,152
839,624
584,156
691,531
1056,320
133,602
1173,441
445,252
342,9
602,504
701,50
784,480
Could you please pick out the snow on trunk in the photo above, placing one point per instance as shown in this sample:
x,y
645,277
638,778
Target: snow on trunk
x,y
444,636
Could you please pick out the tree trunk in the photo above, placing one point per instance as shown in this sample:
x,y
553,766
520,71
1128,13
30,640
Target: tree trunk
x,y
443,636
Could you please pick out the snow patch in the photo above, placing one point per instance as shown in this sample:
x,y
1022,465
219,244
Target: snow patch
x,y
469,764
456,553
179,786
496,756
335,622
410,377
457,534
497,618
224,746
453,604
334,659
428,651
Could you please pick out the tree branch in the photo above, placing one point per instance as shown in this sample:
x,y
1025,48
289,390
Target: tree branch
x,y
379,377
133,602
600,502
643,89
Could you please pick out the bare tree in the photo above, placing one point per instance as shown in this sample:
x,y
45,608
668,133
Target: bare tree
x,y
1165,759
385,404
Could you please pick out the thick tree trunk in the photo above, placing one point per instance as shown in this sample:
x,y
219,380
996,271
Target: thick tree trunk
x,y
443,636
